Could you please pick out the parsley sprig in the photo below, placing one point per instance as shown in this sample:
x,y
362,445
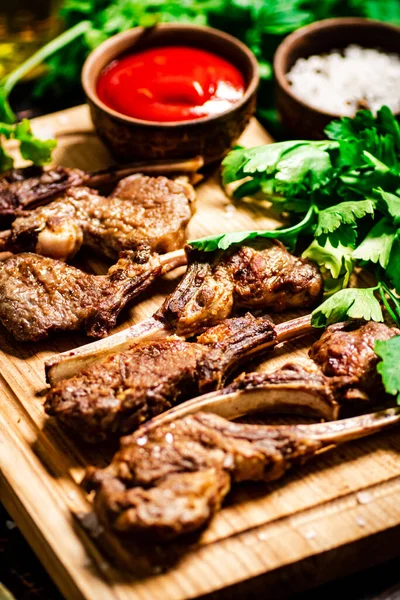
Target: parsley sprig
x,y
343,196
31,147
389,352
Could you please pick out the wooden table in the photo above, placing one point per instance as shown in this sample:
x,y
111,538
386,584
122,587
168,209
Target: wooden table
x,y
312,528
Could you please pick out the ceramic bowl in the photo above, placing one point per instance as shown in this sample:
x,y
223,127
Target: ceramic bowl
x,y
131,139
299,117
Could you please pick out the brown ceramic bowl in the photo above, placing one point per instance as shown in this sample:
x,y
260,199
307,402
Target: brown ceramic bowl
x,y
131,139
300,118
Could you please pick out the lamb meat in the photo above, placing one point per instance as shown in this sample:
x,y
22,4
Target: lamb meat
x,y
20,188
292,389
302,388
171,480
345,365
40,295
345,354
216,286
119,393
260,276
152,211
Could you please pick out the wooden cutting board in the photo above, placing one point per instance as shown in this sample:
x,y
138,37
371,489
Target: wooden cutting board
x,y
338,514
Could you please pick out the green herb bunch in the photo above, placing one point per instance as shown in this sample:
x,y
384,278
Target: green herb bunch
x,y
31,147
343,196
261,24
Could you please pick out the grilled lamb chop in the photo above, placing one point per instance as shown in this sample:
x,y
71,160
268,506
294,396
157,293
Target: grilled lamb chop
x,y
215,286
345,351
23,187
262,276
305,389
122,391
345,365
41,295
20,188
170,480
142,210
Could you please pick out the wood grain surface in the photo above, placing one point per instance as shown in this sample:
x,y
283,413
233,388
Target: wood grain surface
x,y
335,515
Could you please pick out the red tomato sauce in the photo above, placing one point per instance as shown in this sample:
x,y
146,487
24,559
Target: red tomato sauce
x,y
174,83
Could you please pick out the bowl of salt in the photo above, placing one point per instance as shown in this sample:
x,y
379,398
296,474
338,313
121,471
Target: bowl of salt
x,y
332,69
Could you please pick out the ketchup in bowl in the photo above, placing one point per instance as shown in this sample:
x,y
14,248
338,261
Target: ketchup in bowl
x,y
174,83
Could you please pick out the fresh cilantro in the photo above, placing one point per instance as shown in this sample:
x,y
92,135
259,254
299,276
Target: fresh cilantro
x,y
393,267
345,212
285,164
223,241
392,204
6,161
31,148
336,261
346,235
343,193
377,245
352,303
387,10
389,352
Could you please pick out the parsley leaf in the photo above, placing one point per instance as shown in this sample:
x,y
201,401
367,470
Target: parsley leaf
x,y
389,10
223,241
6,161
337,260
377,245
392,203
352,303
31,147
287,164
346,212
388,368
345,235
393,266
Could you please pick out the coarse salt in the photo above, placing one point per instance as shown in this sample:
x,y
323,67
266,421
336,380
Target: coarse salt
x,y
342,82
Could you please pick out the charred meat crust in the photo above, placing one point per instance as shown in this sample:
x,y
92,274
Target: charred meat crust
x,y
119,393
174,480
346,351
257,276
30,185
41,295
344,369
152,211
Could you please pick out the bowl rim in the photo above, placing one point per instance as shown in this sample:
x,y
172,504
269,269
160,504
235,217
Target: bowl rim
x,y
286,45
92,96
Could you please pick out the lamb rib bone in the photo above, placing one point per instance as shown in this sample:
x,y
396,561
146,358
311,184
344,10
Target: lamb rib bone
x,y
41,295
113,174
67,364
116,395
215,286
285,398
152,473
342,368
